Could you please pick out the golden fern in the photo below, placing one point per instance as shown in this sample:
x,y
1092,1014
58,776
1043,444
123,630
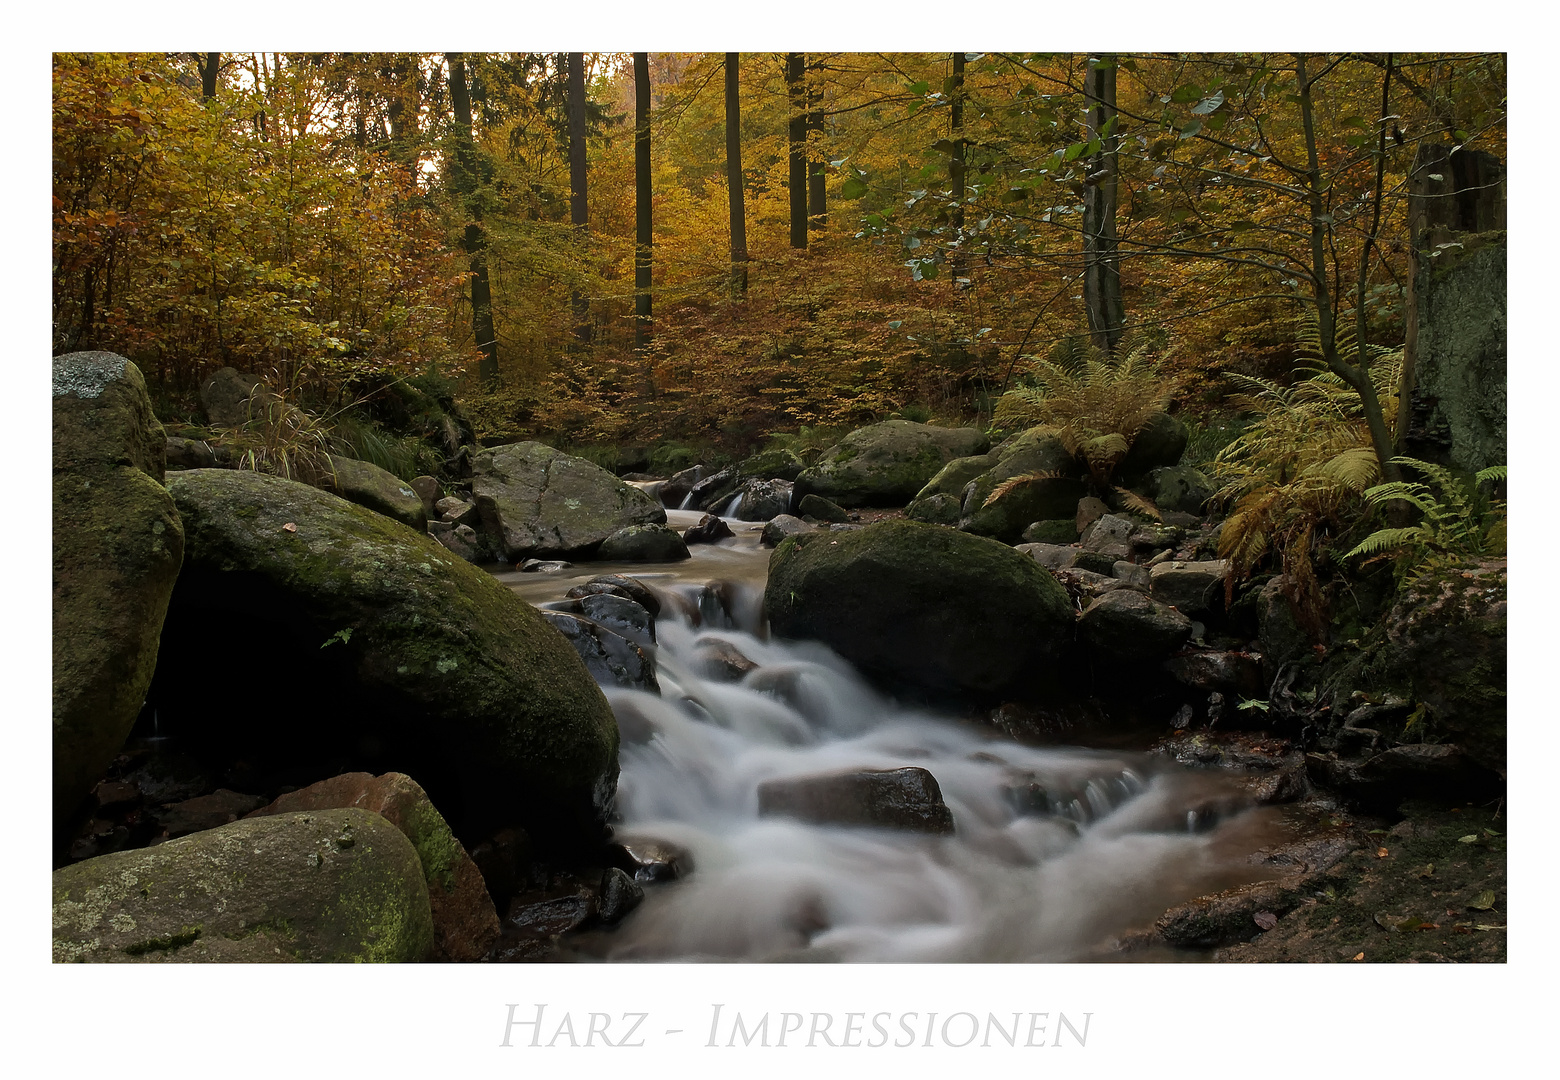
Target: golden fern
x,y
1013,483
1456,525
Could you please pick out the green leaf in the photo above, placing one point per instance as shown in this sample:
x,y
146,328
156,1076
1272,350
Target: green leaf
x,y
853,188
1483,902
1207,105
1470,838
1191,129
1184,95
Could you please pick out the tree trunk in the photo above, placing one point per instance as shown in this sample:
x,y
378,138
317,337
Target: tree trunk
x,y
403,104
957,265
817,208
464,179
796,133
1102,260
208,68
579,207
642,234
739,254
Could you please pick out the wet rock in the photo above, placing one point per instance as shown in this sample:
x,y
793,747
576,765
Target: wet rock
x,y
1414,770
1195,589
714,491
649,859
550,504
465,924
1085,586
545,918
781,527
212,811
617,895
675,490
116,795
118,544
330,886
721,660
1227,917
930,606
816,506
1126,625
611,658
1228,671
643,543
620,615
632,587
761,500
709,530
907,798
886,464
545,566
385,652
1110,536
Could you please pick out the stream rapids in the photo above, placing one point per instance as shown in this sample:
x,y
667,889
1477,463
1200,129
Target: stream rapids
x,y
1057,851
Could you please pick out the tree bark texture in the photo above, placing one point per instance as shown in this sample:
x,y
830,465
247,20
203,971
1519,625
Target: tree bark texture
x,y
739,254
796,133
464,177
579,207
1102,259
957,264
817,204
642,235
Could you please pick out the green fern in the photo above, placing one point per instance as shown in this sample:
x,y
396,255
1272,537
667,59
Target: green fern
x,y
1457,524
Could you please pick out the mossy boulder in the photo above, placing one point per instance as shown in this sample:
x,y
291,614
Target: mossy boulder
x,y
955,476
383,492
1125,625
1052,491
549,504
779,464
345,640
922,605
118,544
643,543
465,925
886,464
331,886
1160,442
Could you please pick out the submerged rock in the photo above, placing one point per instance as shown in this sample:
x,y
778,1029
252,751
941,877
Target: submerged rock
x,y
923,605
465,924
611,658
709,530
330,886
886,464
905,798
550,504
118,544
381,651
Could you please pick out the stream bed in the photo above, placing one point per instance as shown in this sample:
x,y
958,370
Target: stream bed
x,y
1056,851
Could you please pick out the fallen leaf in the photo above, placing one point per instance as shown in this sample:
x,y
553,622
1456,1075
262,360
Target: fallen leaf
x,y
1265,919
1359,956
1382,853
1429,869
1470,838
1484,901
1482,926
290,527
1397,924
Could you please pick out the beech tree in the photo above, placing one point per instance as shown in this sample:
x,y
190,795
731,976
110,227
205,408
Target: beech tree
x,y
579,202
465,179
643,234
739,253
796,133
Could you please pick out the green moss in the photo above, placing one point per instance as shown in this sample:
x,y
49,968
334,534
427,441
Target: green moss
x,y
437,849
187,936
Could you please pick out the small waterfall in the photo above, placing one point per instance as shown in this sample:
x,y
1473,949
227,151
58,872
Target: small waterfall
x,y
729,507
1054,851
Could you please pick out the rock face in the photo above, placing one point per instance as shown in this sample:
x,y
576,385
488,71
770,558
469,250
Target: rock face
x,y
332,886
1124,624
118,544
907,798
921,604
551,504
375,649
886,464
465,924
368,485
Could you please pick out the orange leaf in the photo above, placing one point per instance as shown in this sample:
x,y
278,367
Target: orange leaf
x,y
290,527
1359,956
1381,853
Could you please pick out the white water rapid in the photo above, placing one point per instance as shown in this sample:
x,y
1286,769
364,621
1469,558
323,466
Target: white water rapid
x,y
1055,852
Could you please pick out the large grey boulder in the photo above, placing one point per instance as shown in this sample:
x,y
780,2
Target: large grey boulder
x,y
1193,588
1046,485
922,605
643,543
118,544
886,464
550,504
333,886
356,643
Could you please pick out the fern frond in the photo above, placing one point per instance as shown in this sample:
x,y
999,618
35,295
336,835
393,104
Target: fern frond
x,y
1355,468
1383,540
1133,501
1013,483
1496,473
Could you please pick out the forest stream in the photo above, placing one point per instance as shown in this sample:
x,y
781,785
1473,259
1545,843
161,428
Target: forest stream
x,y
1055,851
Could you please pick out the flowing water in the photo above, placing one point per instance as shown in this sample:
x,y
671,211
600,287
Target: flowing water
x,y
1056,850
